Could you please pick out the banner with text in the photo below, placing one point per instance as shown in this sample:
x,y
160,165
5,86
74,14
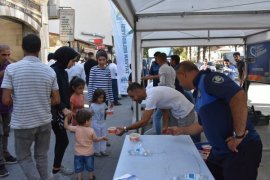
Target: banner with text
x,y
123,36
259,65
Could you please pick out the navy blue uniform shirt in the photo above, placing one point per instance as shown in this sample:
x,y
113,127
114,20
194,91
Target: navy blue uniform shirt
x,y
154,71
212,95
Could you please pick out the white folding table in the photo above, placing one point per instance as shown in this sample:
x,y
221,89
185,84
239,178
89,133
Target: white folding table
x,y
172,156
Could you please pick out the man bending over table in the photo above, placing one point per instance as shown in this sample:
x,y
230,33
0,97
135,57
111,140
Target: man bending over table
x,y
176,109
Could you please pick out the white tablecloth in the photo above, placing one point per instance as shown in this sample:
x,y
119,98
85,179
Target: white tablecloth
x,y
171,156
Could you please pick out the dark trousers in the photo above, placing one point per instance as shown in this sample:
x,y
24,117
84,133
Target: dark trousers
x,y
61,143
246,86
115,90
235,166
5,122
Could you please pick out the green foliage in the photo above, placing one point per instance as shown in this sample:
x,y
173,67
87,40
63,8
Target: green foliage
x,y
145,53
181,51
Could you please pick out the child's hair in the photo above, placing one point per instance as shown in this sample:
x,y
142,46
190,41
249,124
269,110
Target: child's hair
x,y
76,82
97,94
82,116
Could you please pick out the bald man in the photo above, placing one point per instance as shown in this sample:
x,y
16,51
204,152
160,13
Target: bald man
x,y
5,111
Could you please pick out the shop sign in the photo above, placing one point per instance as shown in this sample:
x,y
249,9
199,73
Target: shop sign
x,y
67,24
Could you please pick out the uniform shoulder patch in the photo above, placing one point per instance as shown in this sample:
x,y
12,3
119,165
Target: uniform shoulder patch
x,y
218,79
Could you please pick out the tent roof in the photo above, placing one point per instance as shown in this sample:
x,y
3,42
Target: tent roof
x,y
203,21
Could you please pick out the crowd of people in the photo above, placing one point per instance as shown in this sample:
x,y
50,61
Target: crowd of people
x,y
42,97
221,112
55,93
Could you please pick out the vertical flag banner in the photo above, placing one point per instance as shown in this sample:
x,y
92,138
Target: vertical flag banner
x,y
123,36
259,67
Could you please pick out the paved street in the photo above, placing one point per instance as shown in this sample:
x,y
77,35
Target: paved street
x,y
105,167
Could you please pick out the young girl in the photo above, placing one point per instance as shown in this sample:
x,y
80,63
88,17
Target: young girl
x,y
100,78
84,137
98,108
77,98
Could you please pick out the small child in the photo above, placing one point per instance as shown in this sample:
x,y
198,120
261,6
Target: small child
x,y
77,98
98,108
84,137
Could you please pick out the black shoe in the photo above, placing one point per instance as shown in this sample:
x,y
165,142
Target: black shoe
x,y
3,172
10,160
94,178
117,104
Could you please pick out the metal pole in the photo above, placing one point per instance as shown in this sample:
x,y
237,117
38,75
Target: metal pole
x,y
246,67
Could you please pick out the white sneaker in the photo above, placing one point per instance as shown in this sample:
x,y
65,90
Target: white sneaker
x,y
66,171
57,176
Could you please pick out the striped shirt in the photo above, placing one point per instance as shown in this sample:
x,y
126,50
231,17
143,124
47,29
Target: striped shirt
x,y
100,79
32,83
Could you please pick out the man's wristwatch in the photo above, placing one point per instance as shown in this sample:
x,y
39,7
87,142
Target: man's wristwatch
x,y
239,136
125,129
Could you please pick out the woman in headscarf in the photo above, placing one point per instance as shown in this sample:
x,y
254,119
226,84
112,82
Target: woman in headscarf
x,y
65,59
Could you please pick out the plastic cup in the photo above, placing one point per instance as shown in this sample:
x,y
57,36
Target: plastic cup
x,y
134,137
112,130
206,148
109,112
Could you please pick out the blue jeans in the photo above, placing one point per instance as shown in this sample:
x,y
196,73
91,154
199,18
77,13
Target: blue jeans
x,y
24,138
82,163
115,90
157,121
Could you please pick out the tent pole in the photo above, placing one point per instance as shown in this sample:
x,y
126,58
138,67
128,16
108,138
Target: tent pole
x,y
246,66
136,72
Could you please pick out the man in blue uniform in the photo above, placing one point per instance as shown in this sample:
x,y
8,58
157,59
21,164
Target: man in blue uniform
x,y
223,116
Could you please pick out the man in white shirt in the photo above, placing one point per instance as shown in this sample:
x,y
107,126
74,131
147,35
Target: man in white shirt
x,y
176,109
113,69
166,73
76,70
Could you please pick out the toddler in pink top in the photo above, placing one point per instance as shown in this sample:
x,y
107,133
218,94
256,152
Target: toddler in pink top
x,y
77,98
84,137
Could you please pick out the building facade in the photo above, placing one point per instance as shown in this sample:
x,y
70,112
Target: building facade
x,y
19,18
92,21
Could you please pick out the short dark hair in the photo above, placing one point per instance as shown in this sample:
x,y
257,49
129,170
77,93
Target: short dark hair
x,y
101,53
162,56
236,54
175,58
76,82
90,54
227,60
156,53
50,56
97,93
31,43
82,116
133,86
187,66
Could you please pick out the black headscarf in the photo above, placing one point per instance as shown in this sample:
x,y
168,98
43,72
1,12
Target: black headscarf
x,y
63,55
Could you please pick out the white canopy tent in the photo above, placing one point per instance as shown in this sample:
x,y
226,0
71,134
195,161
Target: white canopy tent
x,y
171,23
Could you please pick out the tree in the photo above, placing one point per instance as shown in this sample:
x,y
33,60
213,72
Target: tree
x,y
204,51
178,50
198,53
145,53
190,53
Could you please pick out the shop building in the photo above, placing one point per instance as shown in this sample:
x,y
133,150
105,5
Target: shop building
x,y
19,18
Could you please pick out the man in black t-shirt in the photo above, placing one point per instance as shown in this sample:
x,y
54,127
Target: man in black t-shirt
x,y
244,83
91,62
